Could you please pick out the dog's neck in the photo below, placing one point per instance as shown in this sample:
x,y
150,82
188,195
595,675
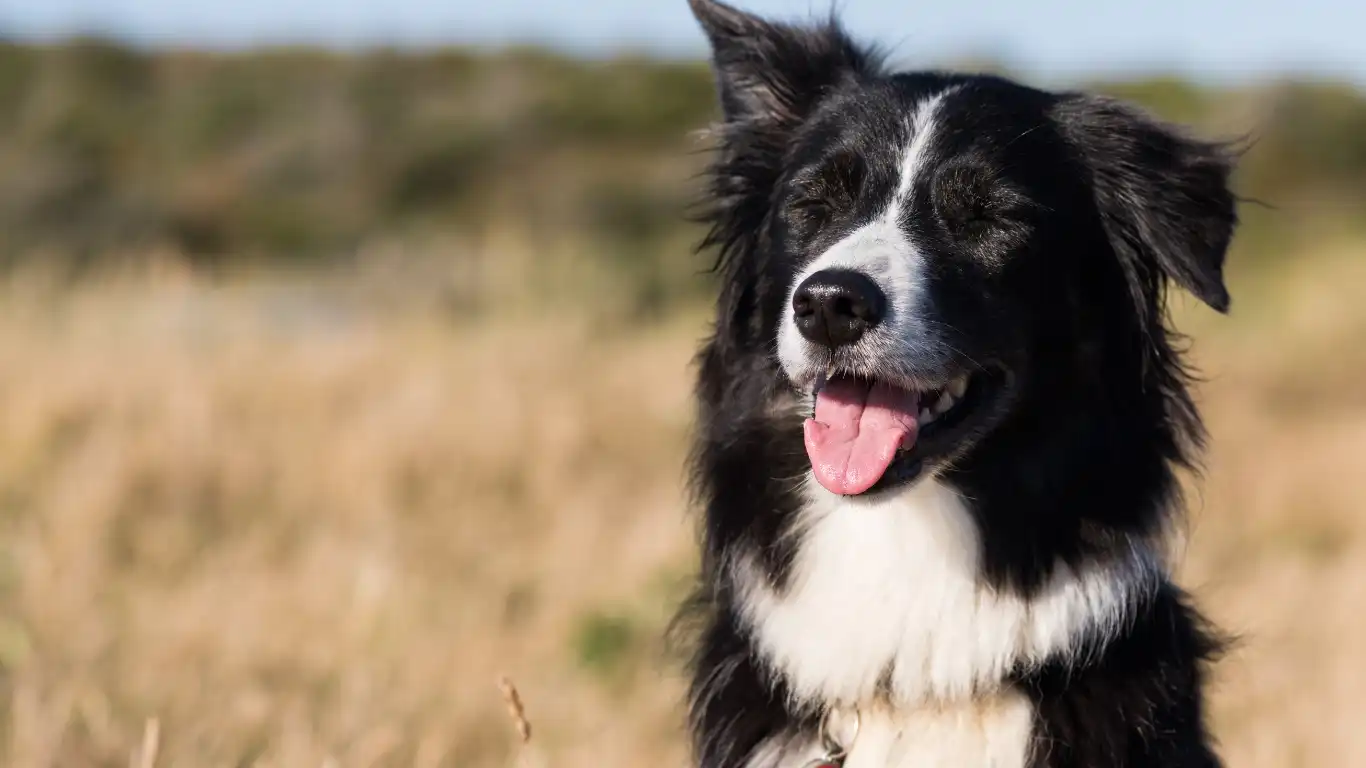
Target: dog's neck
x,y
886,602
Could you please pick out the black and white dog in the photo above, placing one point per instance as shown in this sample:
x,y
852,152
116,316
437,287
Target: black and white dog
x,y
941,416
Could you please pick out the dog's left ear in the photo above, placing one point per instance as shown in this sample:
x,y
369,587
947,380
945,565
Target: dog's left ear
x,y
1163,197
773,73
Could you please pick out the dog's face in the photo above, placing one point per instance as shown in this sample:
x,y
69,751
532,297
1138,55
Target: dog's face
x,y
914,222
937,256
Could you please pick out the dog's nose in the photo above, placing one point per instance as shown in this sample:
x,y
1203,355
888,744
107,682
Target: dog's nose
x,y
834,307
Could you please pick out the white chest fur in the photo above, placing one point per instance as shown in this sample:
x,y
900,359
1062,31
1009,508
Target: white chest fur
x,y
889,590
990,732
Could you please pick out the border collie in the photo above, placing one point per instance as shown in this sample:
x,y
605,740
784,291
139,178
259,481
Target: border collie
x,y
941,417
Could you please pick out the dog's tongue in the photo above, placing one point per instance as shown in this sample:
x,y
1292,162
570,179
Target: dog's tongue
x,y
858,427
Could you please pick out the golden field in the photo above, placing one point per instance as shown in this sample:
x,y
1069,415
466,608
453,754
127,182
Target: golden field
x,y
300,522
291,498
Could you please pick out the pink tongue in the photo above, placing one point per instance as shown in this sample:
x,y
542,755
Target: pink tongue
x,y
856,432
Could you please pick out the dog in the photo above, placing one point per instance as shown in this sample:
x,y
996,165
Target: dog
x,y
941,415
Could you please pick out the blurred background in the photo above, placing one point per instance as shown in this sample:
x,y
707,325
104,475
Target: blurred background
x,y
344,366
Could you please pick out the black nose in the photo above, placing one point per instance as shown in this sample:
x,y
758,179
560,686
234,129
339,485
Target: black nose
x,y
834,307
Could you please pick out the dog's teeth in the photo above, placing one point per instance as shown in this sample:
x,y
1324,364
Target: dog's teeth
x,y
925,416
958,387
945,403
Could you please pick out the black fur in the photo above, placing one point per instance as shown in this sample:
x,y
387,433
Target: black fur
x,y
1057,220
1138,705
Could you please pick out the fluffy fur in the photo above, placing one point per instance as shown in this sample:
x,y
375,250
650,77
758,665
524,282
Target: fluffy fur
x,y
1007,604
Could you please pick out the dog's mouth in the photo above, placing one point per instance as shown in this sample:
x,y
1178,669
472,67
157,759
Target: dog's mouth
x,y
871,434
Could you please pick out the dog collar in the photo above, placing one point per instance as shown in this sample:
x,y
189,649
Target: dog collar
x,y
834,748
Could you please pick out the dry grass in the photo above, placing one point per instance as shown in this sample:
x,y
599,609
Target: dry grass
x,y
243,526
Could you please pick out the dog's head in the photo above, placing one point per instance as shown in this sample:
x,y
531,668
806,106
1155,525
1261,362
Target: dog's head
x,y
937,259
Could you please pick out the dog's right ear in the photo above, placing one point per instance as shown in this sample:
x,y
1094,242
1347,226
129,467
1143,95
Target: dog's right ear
x,y
773,73
770,78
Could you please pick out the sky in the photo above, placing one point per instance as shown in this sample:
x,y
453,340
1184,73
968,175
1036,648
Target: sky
x,y
1219,40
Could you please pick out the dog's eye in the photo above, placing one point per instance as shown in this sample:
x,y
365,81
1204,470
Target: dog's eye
x,y
808,215
825,191
963,199
971,204
813,208
963,215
